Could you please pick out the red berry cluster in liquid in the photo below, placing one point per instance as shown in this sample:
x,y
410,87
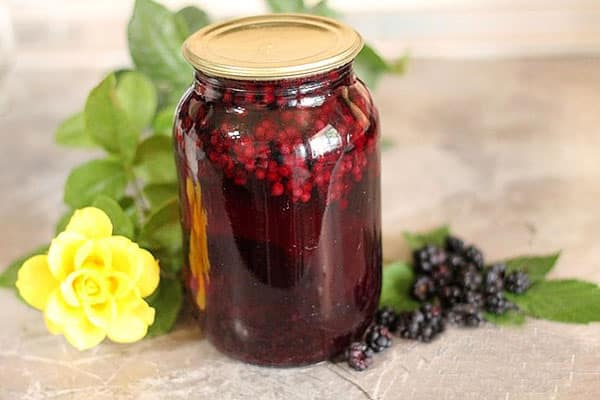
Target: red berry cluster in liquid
x,y
289,177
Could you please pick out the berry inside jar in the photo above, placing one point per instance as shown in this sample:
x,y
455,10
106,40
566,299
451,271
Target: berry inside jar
x,y
280,203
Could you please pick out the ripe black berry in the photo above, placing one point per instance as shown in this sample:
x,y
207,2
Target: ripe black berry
x,y
465,315
387,317
469,278
427,257
450,295
473,298
423,324
493,278
359,356
454,244
517,282
423,288
378,338
496,303
455,261
442,275
473,255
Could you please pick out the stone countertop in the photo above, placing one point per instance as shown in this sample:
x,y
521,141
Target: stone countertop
x,y
506,152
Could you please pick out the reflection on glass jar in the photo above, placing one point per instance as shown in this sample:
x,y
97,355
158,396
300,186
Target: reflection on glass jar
x,y
280,194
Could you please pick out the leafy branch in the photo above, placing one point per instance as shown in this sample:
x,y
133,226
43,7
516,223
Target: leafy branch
x,y
564,300
129,117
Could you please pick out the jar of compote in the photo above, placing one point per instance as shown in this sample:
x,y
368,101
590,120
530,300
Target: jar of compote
x,y
277,151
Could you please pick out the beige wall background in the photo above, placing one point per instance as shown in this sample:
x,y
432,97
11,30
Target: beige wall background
x,y
73,32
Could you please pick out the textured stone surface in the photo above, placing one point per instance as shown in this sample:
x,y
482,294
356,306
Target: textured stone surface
x,y
505,151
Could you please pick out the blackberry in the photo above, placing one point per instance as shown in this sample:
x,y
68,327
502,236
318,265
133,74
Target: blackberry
x,y
493,278
442,275
387,317
473,298
455,261
454,244
450,295
378,338
423,324
423,288
409,324
427,257
496,303
517,282
359,356
465,315
473,255
434,322
469,278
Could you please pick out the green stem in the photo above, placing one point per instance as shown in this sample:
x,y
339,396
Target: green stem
x,y
140,203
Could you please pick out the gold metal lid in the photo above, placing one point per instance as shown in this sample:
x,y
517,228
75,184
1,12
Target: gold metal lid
x,y
274,46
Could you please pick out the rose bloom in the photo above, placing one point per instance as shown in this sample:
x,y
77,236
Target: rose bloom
x,y
91,285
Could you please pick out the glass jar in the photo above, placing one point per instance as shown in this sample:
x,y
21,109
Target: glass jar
x,y
279,174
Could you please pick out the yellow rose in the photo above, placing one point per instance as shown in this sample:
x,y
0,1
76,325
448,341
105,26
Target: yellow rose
x,y
91,285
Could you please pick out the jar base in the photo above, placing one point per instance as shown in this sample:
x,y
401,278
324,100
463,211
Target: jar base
x,y
290,362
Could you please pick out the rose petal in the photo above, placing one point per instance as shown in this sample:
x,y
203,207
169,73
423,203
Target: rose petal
x,y
94,255
90,222
84,335
150,275
68,291
119,284
125,256
35,281
102,314
132,324
61,254
58,313
71,322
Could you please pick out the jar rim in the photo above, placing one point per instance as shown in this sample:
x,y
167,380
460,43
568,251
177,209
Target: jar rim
x,y
272,47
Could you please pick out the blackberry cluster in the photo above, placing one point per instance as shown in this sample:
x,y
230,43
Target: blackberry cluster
x,y
423,324
454,286
456,277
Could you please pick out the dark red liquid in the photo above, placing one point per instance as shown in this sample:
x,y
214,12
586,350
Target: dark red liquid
x,y
280,189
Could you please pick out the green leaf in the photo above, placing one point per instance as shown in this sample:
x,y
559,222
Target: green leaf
x,y
537,267
561,300
170,262
154,160
155,37
63,221
92,179
72,133
138,97
167,301
323,9
510,318
370,66
193,18
386,144
286,6
158,194
395,291
400,65
162,232
129,207
122,225
163,122
8,277
107,122
435,237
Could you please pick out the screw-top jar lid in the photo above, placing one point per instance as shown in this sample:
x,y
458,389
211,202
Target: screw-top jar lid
x,y
274,46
